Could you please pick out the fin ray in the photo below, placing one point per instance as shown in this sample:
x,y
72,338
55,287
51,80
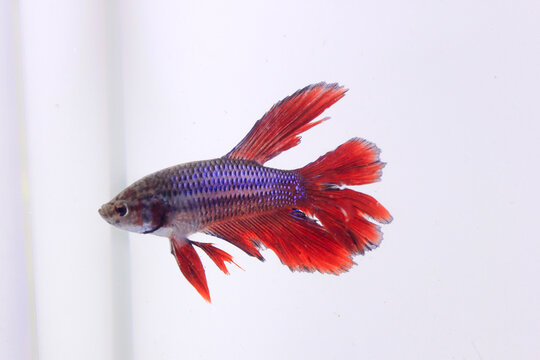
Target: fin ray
x,y
300,243
355,162
218,256
278,130
343,211
190,265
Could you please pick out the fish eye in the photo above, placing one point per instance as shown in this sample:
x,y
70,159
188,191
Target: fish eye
x,y
121,209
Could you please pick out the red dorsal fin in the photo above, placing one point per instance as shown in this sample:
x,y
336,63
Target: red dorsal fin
x,y
278,130
218,256
190,265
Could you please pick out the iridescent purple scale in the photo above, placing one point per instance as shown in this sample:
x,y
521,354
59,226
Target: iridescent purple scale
x,y
208,191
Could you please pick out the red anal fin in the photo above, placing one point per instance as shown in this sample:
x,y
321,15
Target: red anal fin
x,y
299,242
278,130
218,256
228,231
190,265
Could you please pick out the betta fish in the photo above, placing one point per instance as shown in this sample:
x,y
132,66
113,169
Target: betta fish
x,y
307,216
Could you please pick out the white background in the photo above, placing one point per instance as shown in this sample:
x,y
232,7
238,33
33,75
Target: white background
x,y
96,94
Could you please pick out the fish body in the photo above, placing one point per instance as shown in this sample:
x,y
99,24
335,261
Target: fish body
x,y
307,216
186,198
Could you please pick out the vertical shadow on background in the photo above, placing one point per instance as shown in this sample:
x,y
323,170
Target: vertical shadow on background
x,y
120,249
29,321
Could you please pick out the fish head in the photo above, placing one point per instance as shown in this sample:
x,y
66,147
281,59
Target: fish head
x,y
135,211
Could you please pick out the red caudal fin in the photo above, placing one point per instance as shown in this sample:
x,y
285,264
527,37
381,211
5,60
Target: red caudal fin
x,y
355,162
278,130
298,241
345,212
190,265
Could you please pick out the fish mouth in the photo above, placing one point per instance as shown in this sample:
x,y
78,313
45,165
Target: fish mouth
x,y
105,212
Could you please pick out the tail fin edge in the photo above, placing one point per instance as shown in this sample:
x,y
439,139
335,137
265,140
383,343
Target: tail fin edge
x,y
343,211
